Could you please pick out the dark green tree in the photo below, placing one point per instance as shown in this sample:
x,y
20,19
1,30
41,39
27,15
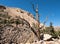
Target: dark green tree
x,y
53,32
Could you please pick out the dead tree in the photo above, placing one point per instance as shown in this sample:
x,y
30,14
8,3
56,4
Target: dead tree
x,y
37,19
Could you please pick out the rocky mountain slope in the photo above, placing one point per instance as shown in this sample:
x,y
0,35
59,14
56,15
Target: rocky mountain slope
x,y
15,26
57,28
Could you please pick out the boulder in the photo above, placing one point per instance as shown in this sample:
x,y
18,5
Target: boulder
x,y
47,36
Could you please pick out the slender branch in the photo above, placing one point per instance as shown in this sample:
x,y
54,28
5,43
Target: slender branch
x,y
33,7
